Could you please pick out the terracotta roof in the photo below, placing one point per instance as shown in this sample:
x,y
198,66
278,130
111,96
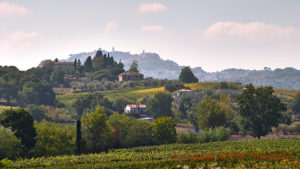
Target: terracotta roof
x,y
134,106
130,73
183,90
63,63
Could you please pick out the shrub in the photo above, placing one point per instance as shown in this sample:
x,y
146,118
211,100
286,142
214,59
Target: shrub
x,y
189,137
175,86
53,139
95,130
284,129
129,132
164,131
10,146
218,134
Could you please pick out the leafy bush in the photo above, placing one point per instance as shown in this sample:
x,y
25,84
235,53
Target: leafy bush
x,y
164,131
134,114
54,139
189,137
175,86
129,132
284,129
218,134
95,130
10,146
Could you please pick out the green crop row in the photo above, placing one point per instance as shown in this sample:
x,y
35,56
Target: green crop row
x,y
269,153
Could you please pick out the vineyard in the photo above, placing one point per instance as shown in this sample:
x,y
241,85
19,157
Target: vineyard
x,y
268,153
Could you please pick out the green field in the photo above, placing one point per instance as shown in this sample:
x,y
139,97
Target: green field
x,y
131,95
137,94
268,153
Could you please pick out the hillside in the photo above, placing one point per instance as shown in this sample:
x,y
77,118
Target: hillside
x,y
137,94
267,153
151,65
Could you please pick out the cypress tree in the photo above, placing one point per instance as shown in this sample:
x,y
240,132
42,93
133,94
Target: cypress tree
x,y
75,64
182,109
78,137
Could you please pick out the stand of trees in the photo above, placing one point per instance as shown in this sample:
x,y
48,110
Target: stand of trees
x,y
103,66
260,110
29,87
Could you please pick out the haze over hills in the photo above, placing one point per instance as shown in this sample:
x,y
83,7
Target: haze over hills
x,y
151,65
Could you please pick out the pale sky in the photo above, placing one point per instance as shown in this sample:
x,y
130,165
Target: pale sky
x,y
212,34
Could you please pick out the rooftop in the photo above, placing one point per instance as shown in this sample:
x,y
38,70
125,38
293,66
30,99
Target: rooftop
x,y
183,90
130,73
63,63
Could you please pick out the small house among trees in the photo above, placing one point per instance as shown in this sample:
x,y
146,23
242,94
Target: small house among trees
x,y
141,108
180,91
130,75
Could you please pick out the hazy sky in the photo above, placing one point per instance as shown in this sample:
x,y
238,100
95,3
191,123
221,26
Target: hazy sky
x,y
213,34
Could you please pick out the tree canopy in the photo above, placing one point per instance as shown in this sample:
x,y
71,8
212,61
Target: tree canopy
x,y
260,110
96,132
164,131
160,105
134,66
187,76
21,123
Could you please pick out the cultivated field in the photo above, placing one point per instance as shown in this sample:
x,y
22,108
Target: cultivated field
x,y
266,153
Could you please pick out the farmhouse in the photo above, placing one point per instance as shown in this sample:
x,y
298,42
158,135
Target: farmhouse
x,y
180,91
64,66
130,75
141,108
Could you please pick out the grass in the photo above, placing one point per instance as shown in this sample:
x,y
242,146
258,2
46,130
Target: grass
x,y
5,107
136,95
131,95
286,93
210,85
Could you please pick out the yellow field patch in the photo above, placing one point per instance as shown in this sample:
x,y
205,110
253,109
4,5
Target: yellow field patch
x,y
152,90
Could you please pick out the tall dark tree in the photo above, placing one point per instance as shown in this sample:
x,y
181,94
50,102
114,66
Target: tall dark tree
x,y
79,66
88,64
182,110
55,60
21,123
75,64
78,137
260,110
296,106
187,76
134,66
160,105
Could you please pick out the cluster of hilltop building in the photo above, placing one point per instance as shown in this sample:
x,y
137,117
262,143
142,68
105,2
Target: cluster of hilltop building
x,y
69,67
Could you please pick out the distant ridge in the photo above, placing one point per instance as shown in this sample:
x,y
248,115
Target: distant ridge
x,y
151,65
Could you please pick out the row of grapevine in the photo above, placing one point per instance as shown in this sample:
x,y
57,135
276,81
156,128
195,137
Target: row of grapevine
x,y
183,156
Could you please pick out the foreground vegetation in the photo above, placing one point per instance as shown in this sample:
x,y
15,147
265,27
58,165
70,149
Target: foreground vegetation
x,y
279,153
